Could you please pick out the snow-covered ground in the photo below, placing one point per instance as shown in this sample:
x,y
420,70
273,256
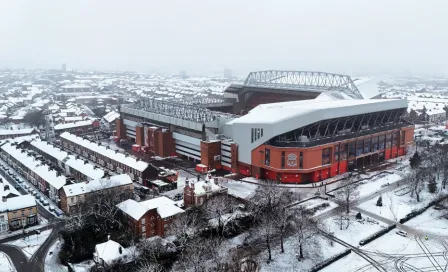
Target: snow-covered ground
x,y
30,244
395,206
370,186
238,188
392,251
6,264
315,251
52,263
317,202
353,230
431,221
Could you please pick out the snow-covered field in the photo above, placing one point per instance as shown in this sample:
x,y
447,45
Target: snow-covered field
x,y
395,206
6,263
392,251
315,251
30,244
353,230
370,186
431,221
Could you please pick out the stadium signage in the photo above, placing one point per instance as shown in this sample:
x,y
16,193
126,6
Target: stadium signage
x,y
292,160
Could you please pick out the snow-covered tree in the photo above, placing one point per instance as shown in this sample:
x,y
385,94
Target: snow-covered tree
x,y
347,192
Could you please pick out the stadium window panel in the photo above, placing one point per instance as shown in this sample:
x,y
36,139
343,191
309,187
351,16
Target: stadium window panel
x,y
402,137
336,153
301,160
283,159
359,147
326,156
267,157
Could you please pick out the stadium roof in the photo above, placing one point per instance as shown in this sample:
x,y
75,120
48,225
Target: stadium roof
x,y
303,81
278,118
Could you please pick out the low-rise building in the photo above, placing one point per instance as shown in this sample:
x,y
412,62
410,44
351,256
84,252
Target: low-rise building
x,y
114,160
197,192
72,195
20,211
151,217
12,133
108,252
78,128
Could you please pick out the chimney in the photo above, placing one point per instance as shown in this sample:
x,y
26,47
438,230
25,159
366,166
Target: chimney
x,y
120,250
4,198
108,237
5,187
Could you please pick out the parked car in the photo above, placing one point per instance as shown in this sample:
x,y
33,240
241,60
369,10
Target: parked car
x,y
385,185
17,186
32,192
41,199
58,212
45,203
51,208
20,180
402,233
26,187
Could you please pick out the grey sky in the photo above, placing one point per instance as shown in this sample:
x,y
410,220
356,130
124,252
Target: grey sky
x,y
205,36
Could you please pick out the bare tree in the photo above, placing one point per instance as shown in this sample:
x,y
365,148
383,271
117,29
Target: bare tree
x,y
305,228
184,227
415,180
269,208
347,192
216,207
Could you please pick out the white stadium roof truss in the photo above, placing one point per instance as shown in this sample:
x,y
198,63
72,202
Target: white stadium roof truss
x,y
304,81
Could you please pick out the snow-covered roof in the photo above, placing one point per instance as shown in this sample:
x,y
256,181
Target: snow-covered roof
x,y
50,176
111,116
278,118
109,251
17,203
73,118
49,149
7,191
96,184
202,187
85,168
165,207
4,132
73,125
109,153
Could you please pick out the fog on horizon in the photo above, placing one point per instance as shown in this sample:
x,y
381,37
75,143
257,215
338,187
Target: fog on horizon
x,y
204,37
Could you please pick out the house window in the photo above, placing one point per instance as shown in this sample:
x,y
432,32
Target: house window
x,y
2,218
267,157
351,150
31,220
71,200
144,235
283,159
152,225
143,228
143,221
152,217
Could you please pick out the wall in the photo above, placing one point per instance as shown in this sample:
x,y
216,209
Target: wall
x,y
120,128
139,136
208,152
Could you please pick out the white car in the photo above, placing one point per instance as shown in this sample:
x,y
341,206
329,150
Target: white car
x,y
402,233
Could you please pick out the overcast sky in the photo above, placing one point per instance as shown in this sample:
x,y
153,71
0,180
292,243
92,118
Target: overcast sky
x,y
206,36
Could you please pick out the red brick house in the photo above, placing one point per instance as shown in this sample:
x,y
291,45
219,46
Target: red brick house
x,y
150,218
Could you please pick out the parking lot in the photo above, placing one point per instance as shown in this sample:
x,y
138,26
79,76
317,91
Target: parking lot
x,y
47,208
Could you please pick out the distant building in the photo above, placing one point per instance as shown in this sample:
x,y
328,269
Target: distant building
x,y
183,74
228,73
64,67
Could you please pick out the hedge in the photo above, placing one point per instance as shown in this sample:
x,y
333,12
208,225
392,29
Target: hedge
x,y
376,235
413,214
331,260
